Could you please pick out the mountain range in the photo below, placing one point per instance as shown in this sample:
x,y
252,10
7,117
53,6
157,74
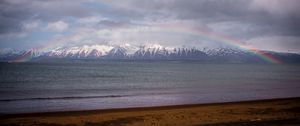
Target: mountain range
x,y
148,52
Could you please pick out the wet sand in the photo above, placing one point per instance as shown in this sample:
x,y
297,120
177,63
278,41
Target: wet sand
x,y
274,112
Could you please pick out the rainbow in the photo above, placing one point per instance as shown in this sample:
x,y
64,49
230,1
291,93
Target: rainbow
x,y
204,34
182,29
26,56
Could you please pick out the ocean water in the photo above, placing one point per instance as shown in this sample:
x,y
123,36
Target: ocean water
x,y
87,85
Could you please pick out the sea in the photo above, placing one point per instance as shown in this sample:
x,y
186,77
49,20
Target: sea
x,y
32,87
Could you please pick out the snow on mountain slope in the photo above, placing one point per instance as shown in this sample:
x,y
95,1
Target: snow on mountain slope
x,y
81,52
153,50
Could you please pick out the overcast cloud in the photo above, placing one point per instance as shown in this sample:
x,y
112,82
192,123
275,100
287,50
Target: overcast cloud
x,y
264,24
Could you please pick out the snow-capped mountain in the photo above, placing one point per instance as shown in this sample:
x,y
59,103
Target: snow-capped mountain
x,y
148,52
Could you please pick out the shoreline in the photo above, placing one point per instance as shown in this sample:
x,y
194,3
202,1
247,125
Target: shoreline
x,y
109,110
269,111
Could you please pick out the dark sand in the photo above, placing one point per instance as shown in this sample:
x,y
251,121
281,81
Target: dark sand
x,y
276,112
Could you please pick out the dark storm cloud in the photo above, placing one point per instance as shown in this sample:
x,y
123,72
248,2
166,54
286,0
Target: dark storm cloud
x,y
11,16
15,12
269,20
191,9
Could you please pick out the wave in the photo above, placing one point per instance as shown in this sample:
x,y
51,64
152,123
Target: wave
x,y
89,97
63,98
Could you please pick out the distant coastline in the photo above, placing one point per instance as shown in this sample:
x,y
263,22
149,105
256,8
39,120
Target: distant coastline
x,y
151,53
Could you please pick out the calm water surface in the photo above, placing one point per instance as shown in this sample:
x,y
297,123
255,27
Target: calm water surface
x,y
85,85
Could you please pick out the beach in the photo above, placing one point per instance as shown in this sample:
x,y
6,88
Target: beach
x,y
246,113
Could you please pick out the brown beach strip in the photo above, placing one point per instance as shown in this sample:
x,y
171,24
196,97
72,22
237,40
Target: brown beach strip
x,y
272,112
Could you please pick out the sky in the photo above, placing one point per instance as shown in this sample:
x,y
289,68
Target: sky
x,y
48,24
